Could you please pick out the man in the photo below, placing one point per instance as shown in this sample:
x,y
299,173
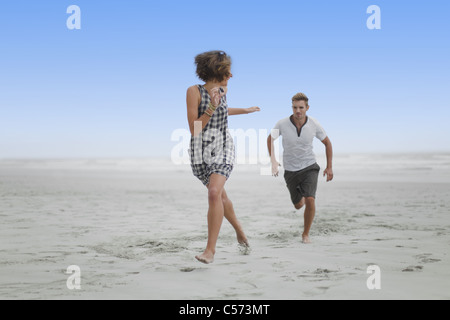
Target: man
x,y
301,169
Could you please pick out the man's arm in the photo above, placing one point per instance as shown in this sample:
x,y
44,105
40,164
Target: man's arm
x,y
273,159
329,153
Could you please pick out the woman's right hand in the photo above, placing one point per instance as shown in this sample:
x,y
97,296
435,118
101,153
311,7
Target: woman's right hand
x,y
216,95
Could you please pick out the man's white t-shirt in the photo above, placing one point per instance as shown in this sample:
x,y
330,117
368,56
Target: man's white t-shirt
x,y
298,146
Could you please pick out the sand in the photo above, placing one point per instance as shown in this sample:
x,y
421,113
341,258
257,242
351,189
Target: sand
x,y
133,226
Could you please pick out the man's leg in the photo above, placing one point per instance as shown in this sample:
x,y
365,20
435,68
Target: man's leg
x,y
299,205
215,216
303,185
310,211
308,188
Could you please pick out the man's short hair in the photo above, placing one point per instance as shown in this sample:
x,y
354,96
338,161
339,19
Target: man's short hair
x,y
300,97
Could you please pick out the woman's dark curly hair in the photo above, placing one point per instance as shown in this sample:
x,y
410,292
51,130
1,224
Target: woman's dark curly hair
x,y
213,66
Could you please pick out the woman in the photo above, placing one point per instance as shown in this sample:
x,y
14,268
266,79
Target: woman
x,y
212,149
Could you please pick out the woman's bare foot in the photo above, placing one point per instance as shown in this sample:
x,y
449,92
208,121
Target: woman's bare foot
x,y
206,257
242,239
243,245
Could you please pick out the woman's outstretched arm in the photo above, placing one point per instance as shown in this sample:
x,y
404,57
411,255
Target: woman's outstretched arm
x,y
236,111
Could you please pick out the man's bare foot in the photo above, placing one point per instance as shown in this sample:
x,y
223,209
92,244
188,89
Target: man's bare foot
x,y
305,239
206,257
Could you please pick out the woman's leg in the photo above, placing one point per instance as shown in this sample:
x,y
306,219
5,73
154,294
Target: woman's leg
x,y
232,219
215,216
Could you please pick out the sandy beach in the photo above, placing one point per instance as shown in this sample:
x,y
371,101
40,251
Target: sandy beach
x,y
133,226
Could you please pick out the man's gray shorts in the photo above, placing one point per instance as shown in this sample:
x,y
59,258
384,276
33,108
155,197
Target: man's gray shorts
x,y
302,183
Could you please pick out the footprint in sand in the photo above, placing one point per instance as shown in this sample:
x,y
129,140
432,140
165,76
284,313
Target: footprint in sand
x,y
422,258
316,291
425,258
413,269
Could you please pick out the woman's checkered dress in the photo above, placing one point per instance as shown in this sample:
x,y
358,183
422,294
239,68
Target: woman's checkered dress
x,y
213,150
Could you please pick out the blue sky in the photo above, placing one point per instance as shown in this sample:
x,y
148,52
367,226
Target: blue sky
x,y
117,86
